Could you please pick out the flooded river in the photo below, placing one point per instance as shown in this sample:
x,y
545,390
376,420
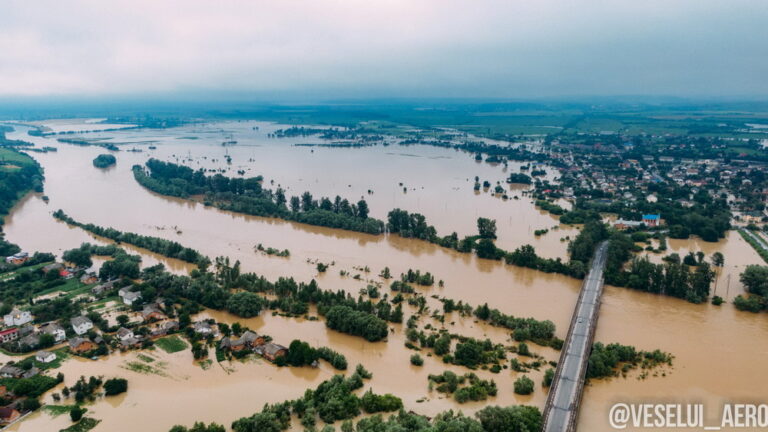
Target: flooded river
x,y
718,350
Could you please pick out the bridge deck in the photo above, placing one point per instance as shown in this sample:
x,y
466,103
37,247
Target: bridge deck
x,y
562,408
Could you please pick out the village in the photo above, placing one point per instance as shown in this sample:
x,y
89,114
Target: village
x,y
623,173
114,318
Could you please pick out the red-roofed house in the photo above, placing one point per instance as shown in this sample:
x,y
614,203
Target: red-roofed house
x,y
8,415
8,335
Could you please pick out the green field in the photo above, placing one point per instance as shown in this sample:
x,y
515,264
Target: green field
x,y
7,275
83,425
510,119
72,287
8,156
57,410
171,344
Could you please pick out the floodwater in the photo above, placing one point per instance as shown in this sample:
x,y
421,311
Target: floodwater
x,y
737,252
718,350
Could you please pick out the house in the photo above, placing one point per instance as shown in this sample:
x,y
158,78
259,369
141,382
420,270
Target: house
x,y
170,326
652,220
225,344
622,224
31,372
8,415
45,356
272,351
130,297
81,325
124,334
11,371
130,342
88,278
152,312
203,328
248,339
17,259
9,335
54,330
251,339
164,328
752,217
80,345
102,288
30,340
26,329
66,274
17,318
52,267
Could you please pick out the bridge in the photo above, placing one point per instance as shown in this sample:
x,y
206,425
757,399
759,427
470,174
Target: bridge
x,y
562,408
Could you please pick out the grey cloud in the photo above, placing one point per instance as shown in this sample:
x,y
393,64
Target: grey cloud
x,y
427,48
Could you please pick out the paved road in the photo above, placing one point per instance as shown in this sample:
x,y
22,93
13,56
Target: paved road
x,y
565,394
757,237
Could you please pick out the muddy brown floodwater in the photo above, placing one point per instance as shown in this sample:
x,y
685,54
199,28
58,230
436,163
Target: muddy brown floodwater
x,y
719,351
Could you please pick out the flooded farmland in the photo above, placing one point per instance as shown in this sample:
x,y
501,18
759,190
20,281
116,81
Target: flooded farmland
x,y
718,350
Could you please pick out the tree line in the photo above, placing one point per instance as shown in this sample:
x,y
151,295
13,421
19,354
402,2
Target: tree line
x,y
604,360
168,248
19,174
686,280
213,290
246,195
334,400
755,280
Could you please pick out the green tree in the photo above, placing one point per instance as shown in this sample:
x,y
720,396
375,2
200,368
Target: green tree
x,y
549,375
123,319
442,345
486,228
510,419
718,259
362,209
245,304
486,249
295,204
76,413
524,385
115,386
80,257
104,161
300,354
199,427
46,340
755,279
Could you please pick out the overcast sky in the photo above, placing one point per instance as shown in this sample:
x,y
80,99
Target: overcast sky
x,y
385,48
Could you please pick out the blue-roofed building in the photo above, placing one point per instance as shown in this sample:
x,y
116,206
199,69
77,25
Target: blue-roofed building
x,y
652,220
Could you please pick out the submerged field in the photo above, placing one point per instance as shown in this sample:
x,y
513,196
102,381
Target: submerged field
x,y
436,182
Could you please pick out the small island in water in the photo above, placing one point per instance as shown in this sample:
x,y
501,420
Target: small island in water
x,y
104,161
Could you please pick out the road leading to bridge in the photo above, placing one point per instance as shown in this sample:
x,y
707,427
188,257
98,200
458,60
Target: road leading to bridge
x,y
562,407
757,238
